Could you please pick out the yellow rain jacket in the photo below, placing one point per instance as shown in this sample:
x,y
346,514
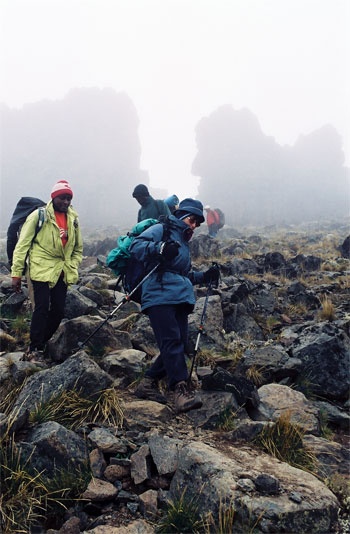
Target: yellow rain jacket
x,y
47,258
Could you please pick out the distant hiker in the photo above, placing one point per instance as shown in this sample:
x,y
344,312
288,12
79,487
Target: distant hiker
x,y
172,203
213,221
150,208
54,255
168,298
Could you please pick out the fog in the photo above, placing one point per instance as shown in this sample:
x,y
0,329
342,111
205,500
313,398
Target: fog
x,y
164,72
91,136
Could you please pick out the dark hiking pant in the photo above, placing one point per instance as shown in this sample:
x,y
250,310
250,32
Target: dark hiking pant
x,y
48,312
170,327
213,230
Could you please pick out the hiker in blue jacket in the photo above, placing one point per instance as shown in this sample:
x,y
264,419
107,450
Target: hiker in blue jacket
x,y
168,298
172,202
150,208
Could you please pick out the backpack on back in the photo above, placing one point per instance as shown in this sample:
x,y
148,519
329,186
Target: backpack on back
x,y
128,268
221,217
24,207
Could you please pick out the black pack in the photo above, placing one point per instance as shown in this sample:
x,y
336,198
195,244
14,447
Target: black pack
x,y
24,207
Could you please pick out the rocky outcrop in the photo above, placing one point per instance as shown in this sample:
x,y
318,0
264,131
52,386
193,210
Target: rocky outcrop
x,y
324,350
306,181
78,373
253,483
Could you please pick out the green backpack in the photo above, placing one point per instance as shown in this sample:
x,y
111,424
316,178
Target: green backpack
x,y
129,269
118,258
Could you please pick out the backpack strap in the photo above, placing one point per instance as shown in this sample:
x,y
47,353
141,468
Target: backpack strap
x,y
41,220
164,220
166,229
160,208
39,225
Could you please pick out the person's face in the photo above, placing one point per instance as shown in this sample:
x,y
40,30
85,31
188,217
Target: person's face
x,y
61,203
192,221
141,200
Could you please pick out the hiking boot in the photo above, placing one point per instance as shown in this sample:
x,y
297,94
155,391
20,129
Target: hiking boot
x,y
148,389
185,398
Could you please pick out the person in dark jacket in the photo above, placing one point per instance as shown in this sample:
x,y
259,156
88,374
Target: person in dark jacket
x,y
150,208
172,202
168,298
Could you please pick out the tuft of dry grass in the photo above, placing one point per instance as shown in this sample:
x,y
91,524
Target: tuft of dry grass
x,y
226,519
276,279
18,332
10,394
344,282
271,323
305,384
27,498
255,278
212,358
325,430
284,440
182,514
226,421
235,354
327,312
72,410
296,310
206,357
256,375
22,499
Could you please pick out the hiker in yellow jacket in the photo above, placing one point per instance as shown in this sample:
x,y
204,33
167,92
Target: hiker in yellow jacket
x,y
53,256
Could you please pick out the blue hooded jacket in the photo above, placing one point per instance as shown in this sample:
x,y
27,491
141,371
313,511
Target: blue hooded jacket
x,y
172,282
172,203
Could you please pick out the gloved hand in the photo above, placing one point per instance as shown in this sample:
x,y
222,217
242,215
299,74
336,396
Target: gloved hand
x,y
212,275
16,284
168,250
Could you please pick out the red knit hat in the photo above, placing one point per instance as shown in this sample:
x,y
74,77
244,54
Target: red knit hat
x,y
62,187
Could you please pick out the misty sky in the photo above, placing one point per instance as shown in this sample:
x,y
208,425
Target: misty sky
x,y
179,60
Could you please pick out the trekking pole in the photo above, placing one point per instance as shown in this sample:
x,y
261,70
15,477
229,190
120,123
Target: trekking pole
x,y
125,299
200,330
201,326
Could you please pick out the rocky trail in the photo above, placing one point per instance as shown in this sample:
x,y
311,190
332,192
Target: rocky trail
x,y
267,452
